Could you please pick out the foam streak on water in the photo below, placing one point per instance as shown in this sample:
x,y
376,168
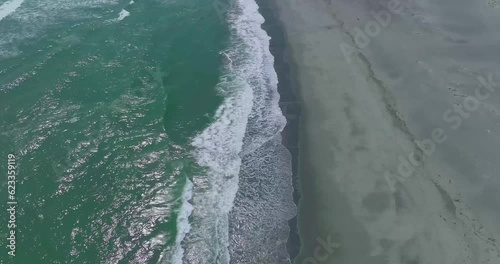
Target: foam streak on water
x,y
182,222
123,14
9,7
251,105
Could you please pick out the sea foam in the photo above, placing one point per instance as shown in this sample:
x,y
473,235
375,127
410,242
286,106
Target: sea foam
x,y
182,222
249,84
123,14
9,7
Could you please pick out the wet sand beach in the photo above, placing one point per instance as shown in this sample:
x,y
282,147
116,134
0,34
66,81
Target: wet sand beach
x,y
399,132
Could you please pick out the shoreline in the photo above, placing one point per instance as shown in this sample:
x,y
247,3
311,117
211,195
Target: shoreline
x,y
289,104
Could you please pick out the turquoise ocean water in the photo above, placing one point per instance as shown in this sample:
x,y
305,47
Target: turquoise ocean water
x,y
144,132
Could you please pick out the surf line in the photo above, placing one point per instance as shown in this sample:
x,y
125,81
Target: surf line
x,y
9,7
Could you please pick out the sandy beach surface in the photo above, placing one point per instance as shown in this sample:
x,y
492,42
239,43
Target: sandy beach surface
x,y
400,130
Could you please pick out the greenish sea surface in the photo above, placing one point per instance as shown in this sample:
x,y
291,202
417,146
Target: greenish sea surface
x,y
129,122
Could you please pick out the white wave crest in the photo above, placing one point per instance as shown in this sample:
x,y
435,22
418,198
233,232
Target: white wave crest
x,y
250,106
9,7
183,226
